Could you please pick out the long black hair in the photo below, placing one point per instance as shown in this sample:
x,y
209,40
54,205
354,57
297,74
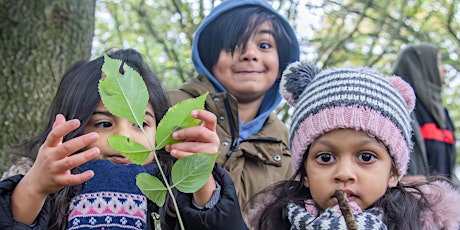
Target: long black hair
x,y
402,205
76,98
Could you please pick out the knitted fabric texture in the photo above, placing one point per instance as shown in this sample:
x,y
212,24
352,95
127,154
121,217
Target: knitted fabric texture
x,y
354,98
109,200
332,218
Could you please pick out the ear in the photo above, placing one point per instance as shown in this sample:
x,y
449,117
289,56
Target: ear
x,y
393,181
305,182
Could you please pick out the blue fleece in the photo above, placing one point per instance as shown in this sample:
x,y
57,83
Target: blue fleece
x,y
272,97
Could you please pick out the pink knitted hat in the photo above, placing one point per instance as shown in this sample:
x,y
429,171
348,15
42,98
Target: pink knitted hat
x,y
355,98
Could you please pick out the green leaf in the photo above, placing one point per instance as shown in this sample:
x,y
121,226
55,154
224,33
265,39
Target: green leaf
x,y
190,173
152,188
124,95
178,117
129,148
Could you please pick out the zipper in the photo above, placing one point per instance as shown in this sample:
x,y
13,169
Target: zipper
x,y
235,142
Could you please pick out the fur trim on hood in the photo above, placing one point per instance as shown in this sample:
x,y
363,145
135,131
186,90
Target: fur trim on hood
x,y
445,210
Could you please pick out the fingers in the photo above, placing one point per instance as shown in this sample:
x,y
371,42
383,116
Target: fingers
x,y
195,139
49,174
60,129
68,163
209,119
206,132
179,154
75,144
75,179
60,119
182,149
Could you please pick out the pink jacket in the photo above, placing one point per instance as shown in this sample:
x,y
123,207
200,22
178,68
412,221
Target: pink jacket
x,y
445,212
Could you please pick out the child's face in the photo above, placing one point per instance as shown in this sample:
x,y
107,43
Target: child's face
x,y
350,161
442,70
106,124
248,75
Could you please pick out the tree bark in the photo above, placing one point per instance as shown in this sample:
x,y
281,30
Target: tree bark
x,y
39,40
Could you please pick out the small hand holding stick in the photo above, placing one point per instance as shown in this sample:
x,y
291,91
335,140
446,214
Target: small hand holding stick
x,y
346,210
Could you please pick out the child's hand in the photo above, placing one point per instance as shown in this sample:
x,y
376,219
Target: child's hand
x,y
202,138
51,170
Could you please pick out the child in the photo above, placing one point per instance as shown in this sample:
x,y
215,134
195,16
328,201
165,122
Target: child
x,y
351,132
240,50
79,182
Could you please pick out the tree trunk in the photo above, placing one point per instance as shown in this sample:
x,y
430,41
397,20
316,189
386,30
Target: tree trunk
x,y
39,40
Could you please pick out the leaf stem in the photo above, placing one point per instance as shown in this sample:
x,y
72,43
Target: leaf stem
x,y
166,182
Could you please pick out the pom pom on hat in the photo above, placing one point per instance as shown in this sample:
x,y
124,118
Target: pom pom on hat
x,y
356,98
297,76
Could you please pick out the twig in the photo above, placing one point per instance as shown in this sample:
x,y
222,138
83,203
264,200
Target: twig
x,y
346,210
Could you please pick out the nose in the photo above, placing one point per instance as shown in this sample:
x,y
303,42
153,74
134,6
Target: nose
x,y
249,53
124,129
345,172
443,69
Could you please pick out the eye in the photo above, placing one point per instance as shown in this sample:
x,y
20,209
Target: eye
x,y
144,124
103,124
367,157
325,158
265,45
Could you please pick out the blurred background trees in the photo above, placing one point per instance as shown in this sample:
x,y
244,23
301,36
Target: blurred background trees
x,y
39,40
332,33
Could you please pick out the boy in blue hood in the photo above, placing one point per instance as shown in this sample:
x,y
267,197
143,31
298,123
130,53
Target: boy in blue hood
x,y
239,51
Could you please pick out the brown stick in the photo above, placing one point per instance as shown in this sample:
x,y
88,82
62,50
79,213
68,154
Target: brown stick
x,y
346,210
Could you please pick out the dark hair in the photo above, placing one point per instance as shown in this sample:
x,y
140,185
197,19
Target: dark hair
x,y
402,205
235,27
78,94
76,98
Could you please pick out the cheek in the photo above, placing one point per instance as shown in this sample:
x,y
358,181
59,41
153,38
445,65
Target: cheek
x,y
273,62
223,63
103,145
220,69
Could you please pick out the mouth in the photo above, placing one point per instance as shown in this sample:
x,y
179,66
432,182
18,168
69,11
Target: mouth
x,y
351,196
248,72
119,159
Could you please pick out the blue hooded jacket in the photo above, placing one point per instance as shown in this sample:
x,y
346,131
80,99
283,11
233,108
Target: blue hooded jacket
x,y
272,97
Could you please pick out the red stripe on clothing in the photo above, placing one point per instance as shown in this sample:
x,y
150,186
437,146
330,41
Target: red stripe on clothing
x,y
431,132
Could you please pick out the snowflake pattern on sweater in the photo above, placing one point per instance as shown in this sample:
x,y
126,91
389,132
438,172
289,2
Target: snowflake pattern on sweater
x,y
108,209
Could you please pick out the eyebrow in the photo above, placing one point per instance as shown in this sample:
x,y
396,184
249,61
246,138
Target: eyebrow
x,y
107,113
271,32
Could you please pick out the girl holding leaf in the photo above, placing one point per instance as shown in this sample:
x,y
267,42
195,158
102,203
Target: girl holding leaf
x,y
351,135
84,174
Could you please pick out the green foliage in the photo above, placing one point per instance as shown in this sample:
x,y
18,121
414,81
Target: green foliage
x,y
136,152
125,95
152,188
174,120
191,172
332,33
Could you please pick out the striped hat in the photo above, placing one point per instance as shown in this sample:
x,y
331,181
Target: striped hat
x,y
355,98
